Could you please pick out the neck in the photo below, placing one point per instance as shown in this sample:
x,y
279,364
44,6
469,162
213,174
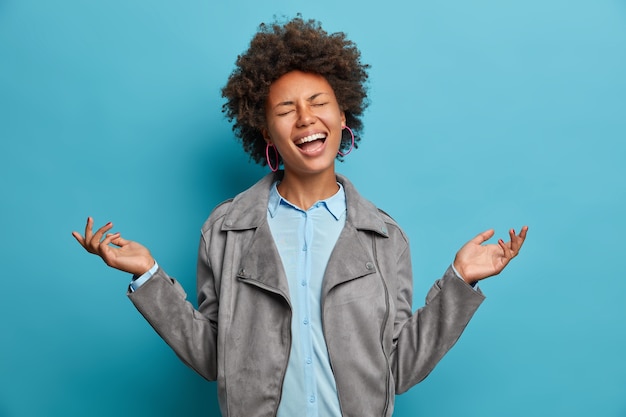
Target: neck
x,y
304,191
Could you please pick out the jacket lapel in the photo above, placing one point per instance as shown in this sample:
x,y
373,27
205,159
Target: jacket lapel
x,y
350,259
261,264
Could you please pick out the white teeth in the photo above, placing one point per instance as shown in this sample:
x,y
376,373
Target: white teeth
x,y
311,138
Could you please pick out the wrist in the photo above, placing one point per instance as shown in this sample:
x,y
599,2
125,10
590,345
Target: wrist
x,y
461,273
143,268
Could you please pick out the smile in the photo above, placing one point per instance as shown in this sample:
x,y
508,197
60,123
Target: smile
x,y
311,138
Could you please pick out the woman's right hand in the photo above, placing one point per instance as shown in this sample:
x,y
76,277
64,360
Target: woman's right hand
x,y
116,252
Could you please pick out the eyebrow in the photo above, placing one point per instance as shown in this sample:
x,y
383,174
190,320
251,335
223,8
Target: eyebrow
x,y
291,103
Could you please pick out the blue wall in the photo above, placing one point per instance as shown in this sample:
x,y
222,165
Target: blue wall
x,y
497,113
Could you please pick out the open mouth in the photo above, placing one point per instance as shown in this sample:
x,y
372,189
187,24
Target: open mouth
x,y
312,142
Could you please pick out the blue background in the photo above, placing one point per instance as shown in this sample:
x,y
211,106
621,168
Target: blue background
x,y
484,114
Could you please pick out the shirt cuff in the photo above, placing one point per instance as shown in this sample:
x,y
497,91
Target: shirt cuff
x,y
473,285
138,281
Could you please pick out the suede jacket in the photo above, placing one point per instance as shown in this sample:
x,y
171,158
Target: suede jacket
x,y
240,334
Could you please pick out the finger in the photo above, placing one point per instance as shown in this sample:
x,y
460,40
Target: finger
x,y
97,237
105,251
523,232
109,238
518,240
483,237
79,238
93,244
506,249
89,229
513,239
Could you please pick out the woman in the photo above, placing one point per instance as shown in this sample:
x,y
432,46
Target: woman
x,y
304,287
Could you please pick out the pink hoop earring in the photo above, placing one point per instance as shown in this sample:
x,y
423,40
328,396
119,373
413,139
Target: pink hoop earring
x,y
351,145
267,156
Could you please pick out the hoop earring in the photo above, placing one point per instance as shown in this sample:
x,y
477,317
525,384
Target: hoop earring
x,y
267,156
351,145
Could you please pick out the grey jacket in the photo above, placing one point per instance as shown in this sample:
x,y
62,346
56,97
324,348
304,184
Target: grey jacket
x,y
240,333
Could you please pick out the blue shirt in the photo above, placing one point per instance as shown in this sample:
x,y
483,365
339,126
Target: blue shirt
x,y
305,240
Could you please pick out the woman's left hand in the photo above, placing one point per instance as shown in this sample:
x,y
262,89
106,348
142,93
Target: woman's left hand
x,y
475,261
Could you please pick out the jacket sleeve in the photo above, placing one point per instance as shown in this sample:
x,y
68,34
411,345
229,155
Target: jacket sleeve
x,y
421,339
191,333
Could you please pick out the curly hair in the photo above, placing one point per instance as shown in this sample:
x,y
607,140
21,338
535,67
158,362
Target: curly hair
x,y
277,49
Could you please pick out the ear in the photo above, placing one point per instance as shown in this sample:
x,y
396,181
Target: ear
x,y
266,136
343,118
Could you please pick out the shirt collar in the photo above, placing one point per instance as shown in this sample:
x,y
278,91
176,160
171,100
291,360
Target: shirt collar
x,y
248,210
336,204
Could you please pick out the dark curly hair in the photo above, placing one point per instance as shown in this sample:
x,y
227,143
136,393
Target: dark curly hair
x,y
279,48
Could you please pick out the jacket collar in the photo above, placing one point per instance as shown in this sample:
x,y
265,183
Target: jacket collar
x,y
248,209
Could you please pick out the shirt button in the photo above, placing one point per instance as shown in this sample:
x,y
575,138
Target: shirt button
x,y
369,266
309,361
312,399
305,321
303,283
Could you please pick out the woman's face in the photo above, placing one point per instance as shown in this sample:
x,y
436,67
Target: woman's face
x,y
304,122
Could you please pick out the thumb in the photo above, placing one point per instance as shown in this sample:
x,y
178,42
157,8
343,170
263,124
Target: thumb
x,y
483,237
120,241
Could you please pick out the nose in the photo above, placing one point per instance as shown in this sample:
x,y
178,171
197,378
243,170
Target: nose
x,y
306,117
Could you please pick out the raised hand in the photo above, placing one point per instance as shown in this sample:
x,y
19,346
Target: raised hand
x,y
115,251
475,261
